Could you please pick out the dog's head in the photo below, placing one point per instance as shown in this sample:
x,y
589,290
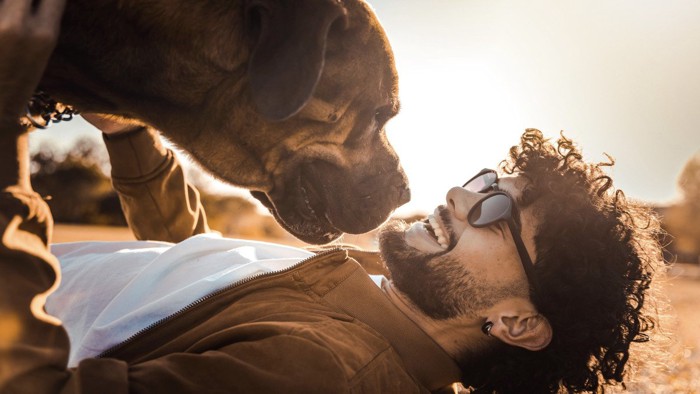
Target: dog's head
x,y
323,84
290,104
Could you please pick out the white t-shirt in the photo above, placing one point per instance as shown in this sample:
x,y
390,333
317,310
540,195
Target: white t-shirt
x,y
111,290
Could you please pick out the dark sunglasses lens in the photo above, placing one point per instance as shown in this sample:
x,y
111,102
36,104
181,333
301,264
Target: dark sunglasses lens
x,y
491,209
481,183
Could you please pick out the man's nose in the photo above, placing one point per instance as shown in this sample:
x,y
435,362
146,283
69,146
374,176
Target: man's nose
x,y
460,201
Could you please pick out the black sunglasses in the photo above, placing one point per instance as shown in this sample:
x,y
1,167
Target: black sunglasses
x,y
496,206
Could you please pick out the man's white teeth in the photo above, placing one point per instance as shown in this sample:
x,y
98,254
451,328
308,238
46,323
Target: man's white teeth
x,y
441,238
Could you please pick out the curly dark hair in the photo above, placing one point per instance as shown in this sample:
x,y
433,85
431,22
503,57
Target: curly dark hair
x,y
597,253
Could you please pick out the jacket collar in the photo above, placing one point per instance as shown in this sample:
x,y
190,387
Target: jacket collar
x,y
359,297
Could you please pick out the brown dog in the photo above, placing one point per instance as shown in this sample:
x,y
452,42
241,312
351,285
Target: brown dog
x,y
287,98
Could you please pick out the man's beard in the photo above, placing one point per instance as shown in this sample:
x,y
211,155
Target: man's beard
x,y
439,286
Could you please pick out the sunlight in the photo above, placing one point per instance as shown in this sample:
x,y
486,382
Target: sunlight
x,y
457,117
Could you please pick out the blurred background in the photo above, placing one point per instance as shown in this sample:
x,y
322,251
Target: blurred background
x,y
619,77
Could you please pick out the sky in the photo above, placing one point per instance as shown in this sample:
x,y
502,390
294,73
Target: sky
x,y
619,77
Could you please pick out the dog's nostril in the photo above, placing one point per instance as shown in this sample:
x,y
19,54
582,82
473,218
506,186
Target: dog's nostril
x,y
405,195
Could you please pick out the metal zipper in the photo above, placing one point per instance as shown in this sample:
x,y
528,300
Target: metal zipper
x,y
198,301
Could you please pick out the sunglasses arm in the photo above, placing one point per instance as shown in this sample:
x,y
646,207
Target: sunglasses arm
x,y
522,251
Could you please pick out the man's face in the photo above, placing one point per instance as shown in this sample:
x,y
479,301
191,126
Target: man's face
x,y
463,270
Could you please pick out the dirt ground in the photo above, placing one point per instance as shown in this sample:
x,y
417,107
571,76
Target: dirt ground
x,y
680,372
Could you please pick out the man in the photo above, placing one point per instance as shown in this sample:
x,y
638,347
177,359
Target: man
x,y
525,282
530,282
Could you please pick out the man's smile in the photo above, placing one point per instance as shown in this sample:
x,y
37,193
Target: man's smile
x,y
430,235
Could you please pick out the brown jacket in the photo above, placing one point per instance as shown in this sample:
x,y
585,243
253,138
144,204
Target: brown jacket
x,y
157,201
321,326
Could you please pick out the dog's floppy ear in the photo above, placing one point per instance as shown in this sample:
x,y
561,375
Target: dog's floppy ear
x,y
288,56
